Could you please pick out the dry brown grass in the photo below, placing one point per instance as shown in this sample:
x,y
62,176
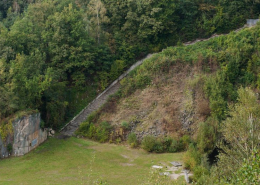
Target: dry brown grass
x,y
161,103
110,106
203,107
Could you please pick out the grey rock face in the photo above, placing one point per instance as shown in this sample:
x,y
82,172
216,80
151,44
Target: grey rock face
x,y
252,22
27,135
3,149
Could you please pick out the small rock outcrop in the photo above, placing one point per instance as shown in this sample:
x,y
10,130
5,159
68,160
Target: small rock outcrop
x,y
27,135
252,22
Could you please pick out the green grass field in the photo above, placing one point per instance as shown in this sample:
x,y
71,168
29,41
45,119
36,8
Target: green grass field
x,y
80,161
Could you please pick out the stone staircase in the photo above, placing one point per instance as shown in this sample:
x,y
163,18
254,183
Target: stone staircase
x,y
73,125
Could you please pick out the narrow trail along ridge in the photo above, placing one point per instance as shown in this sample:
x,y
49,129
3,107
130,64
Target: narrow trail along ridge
x,y
73,125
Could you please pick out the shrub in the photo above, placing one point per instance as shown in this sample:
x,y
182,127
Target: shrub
x,y
199,173
118,140
125,125
105,125
132,140
166,143
148,143
42,124
191,158
179,145
142,81
184,142
206,137
99,133
174,147
158,147
83,129
9,148
91,131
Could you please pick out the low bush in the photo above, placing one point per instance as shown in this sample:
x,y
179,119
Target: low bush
x,y
174,147
83,129
132,140
179,145
10,148
158,147
191,158
99,133
199,173
105,125
184,143
148,143
206,138
125,125
167,144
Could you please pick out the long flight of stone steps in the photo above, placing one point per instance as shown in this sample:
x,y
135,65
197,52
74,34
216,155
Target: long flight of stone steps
x,y
73,125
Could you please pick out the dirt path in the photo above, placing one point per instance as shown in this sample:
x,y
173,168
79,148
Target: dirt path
x,y
73,125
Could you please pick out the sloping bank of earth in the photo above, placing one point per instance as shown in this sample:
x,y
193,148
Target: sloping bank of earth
x,y
169,95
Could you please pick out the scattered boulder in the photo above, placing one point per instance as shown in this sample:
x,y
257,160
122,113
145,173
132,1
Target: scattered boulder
x,y
176,164
51,132
157,167
165,173
186,176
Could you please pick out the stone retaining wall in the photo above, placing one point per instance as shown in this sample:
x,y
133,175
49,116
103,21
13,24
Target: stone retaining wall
x,y
27,135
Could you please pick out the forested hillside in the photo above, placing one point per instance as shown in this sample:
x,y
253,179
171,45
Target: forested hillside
x,y
57,55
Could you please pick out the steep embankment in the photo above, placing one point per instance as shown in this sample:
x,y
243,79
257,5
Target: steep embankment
x,y
175,90
168,94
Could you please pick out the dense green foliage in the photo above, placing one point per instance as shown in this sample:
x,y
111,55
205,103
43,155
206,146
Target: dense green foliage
x,y
99,133
249,173
167,144
132,140
54,54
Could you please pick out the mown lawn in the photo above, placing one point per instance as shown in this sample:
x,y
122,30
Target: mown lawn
x,y
79,161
